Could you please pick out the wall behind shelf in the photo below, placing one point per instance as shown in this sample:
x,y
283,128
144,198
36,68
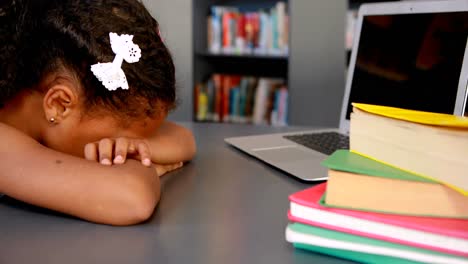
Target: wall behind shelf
x,y
175,20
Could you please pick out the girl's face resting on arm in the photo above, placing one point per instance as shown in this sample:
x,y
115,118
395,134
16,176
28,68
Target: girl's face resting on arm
x,y
68,126
48,90
70,134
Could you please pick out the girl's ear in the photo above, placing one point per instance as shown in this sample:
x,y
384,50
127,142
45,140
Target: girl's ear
x,y
60,101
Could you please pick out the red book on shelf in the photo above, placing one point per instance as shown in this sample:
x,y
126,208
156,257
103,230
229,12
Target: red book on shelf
x,y
196,94
224,109
241,22
227,30
218,83
439,234
256,28
241,35
229,82
249,30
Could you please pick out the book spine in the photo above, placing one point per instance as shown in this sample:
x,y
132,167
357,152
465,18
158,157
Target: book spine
x,y
274,46
284,106
233,32
243,99
218,81
286,35
282,30
224,111
241,34
275,111
215,37
210,91
250,100
202,104
260,102
227,32
235,117
249,33
196,94
264,34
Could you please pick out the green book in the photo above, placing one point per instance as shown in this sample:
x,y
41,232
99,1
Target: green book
x,y
345,160
361,249
360,183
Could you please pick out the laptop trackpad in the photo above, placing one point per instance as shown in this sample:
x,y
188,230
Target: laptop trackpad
x,y
301,163
287,154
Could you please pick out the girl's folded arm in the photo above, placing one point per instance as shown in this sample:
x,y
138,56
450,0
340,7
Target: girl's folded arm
x,y
117,195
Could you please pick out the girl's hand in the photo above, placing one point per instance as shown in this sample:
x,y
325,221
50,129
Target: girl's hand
x,y
163,169
110,151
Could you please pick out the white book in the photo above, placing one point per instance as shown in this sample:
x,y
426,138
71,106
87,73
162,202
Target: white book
x,y
261,95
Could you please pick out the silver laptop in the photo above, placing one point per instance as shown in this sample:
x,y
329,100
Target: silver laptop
x,y
405,54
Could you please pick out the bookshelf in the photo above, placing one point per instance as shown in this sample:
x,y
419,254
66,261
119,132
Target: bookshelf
x,y
312,69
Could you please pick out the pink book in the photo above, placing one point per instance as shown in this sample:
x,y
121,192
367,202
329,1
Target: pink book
x,y
439,234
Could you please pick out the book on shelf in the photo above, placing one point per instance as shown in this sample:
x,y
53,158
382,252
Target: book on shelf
x,y
244,33
200,112
362,249
445,235
431,145
358,182
242,99
215,107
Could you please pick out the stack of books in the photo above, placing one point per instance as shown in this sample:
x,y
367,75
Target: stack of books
x,y
398,196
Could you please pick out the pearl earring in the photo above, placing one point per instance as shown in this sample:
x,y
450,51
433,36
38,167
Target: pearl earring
x,y
52,120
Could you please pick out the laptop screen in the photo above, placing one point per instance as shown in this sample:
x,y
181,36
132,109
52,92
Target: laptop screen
x,y
410,61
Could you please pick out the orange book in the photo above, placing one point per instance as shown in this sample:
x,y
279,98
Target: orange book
x,y
359,183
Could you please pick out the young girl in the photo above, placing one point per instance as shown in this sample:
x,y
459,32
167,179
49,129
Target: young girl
x,y
85,87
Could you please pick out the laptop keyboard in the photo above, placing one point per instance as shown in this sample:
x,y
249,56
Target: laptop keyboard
x,y
326,142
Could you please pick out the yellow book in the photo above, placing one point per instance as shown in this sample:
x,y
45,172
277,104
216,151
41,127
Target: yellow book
x,y
202,106
431,145
427,118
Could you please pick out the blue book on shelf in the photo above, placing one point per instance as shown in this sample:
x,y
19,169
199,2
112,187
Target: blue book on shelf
x,y
263,35
274,31
235,104
243,97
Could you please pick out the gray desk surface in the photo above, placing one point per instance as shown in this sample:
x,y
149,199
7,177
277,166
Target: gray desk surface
x,y
224,207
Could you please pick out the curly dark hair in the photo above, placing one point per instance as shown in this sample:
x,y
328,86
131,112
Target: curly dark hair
x,y
38,37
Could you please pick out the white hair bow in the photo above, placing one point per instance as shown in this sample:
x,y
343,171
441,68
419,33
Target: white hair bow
x,y
111,74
